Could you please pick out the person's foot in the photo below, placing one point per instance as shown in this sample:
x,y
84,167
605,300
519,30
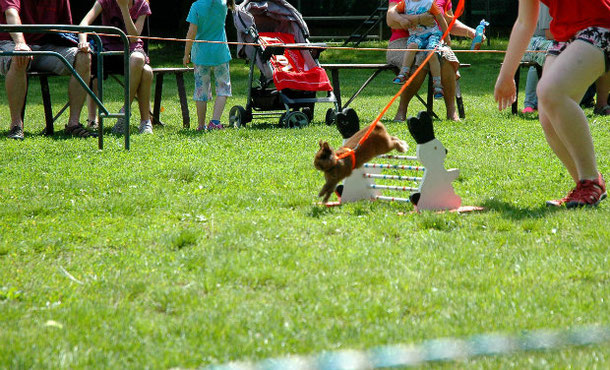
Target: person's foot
x,y
16,133
528,110
588,193
92,124
400,116
562,201
602,111
438,92
215,126
78,130
146,127
400,79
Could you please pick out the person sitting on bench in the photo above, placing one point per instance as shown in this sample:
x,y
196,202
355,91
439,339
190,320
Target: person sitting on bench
x,y
15,68
129,16
400,23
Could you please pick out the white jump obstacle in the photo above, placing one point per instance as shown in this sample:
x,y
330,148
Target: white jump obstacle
x,y
431,191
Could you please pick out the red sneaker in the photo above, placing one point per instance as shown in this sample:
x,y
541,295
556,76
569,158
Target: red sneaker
x,y
562,201
588,193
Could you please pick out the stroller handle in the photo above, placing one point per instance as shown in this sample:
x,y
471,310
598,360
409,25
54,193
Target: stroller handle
x,y
279,49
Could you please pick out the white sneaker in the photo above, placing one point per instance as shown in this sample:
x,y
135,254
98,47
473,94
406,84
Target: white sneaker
x,y
146,127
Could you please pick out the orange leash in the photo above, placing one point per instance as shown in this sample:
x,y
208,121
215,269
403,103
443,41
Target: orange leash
x,y
458,12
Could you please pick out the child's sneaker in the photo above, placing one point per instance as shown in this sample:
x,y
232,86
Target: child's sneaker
x,y
215,126
146,127
588,193
528,110
400,79
438,92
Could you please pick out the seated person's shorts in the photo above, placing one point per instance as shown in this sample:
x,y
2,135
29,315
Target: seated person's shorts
x,y
42,63
596,36
203,85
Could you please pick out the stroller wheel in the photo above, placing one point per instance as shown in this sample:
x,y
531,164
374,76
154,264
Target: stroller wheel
x,y
237,116
308,111
331,115
347,122
296,120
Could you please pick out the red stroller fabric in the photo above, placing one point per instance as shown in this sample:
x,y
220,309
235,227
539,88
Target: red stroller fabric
x,y
290,70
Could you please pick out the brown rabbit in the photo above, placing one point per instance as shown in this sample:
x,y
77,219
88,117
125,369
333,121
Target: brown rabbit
x,y
379,142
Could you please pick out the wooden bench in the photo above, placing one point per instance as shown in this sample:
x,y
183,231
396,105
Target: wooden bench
x,y
158,73
515,106
46,100
377,69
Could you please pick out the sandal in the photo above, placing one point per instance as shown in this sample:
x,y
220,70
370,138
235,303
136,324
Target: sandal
x,y
603,111
92,124
79,131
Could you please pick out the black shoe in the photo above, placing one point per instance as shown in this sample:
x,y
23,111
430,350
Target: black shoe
x,y
16,133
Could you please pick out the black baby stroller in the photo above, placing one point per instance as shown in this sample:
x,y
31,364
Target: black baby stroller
x,y
290,76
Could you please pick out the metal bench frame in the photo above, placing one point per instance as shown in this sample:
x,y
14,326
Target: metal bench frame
x,y
93,31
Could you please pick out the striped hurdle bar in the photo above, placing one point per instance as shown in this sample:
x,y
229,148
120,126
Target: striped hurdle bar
x,y
361,184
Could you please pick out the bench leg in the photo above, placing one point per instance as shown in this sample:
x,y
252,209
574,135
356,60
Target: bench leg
x,y
459,101
515,107
337,87
46,101
430,97
157,103
186,119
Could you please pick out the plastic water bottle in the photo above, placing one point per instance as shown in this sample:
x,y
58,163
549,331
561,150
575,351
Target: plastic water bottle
x,y
478,35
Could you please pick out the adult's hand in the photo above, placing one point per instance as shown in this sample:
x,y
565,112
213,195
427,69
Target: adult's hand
x,y
84,47
505,92
22,61
426,19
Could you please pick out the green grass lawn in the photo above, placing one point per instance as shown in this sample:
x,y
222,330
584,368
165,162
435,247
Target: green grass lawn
x,y
194,249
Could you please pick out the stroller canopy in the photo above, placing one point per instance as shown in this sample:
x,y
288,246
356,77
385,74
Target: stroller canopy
x,y
267,16
270,22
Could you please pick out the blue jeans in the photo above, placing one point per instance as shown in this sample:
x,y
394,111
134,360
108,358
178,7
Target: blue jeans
x,y
531,99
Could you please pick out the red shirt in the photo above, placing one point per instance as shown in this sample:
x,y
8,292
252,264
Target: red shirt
x,y
444,5
37,12
571,16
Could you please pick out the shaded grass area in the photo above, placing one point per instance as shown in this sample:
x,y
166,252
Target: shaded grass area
x,y
194,249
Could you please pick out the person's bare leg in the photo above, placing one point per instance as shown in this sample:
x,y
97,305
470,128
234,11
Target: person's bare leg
x,y
560,89
448,82
408,94
551,136
91,105
76,93
137,61
435,67
219,106
202,107
409,56
144,92
16,86
602,86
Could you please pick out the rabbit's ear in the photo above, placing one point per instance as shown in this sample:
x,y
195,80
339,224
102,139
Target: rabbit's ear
x,y
321,144
324,145
421,128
